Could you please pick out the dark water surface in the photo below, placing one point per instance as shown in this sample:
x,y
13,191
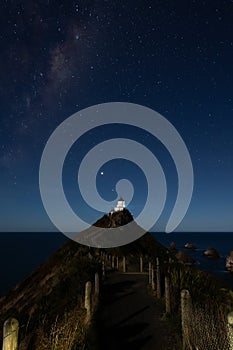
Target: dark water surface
x,y
21,253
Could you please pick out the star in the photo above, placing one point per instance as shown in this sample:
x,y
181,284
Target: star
x,y
58,59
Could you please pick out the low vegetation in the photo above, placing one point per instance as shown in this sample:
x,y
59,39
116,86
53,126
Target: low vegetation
x,y
49,302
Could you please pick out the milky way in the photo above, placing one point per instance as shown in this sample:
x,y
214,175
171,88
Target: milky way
x,y
58,57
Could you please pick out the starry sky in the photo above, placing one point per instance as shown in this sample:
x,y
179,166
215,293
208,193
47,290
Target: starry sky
x,y
58,57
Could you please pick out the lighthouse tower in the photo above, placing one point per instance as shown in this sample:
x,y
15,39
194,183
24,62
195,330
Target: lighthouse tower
x,y
120,206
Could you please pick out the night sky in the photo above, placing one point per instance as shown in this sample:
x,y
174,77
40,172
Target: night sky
x,y
58,57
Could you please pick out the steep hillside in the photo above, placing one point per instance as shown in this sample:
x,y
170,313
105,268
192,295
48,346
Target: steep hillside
x,y
56,288
53,290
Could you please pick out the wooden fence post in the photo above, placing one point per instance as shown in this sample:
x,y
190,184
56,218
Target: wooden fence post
x,y
141,263
113,261
88,301
167,294
152,278
97,285
124,264
230,330
103,269
150,275
10,334
158,281
186,314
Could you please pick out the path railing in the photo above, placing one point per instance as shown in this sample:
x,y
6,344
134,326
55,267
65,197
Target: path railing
x,y
11,327
203,327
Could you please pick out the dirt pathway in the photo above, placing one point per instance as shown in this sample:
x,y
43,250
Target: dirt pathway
x,y
130,318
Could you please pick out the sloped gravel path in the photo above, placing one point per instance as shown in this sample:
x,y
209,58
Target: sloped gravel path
x,y
130,318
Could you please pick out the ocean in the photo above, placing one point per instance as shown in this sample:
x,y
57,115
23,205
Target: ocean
x,y
21,253
221,241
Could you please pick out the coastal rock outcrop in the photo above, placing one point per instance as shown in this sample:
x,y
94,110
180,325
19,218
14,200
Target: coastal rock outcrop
x,y
229,262
190,246
211,252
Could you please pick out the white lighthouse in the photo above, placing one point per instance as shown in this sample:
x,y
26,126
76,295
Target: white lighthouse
x,y
120,206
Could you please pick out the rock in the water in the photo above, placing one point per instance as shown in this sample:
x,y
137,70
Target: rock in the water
x,y
190,246
184,258
211,252
229,262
